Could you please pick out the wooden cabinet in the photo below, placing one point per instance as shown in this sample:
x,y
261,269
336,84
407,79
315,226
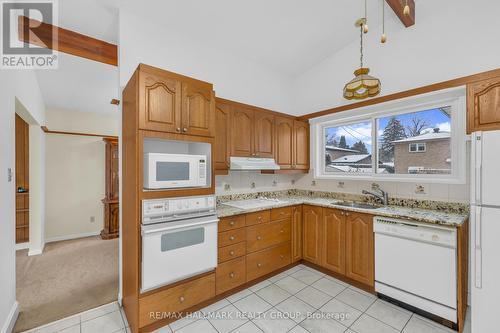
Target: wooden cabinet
x,y
483,105
230,274
22,180
312,229
242,132
300,145
222,136
231,237
169,102
264,134
258,217
268,234
284,142
111,203
334,240
360,253
263,262
296,237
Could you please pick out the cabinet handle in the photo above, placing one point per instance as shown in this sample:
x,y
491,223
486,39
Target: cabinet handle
x,y
342,213
231,275
231,223
259,218
181,299
231,238
259,237
282,231
184,129
282,256
231,253
178,129
346,214
259,265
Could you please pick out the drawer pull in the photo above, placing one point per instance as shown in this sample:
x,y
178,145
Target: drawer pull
x,y
259,237
282,231
231,238
341,213
259,218
346,214
231,275
259,265
282,213
282,256
181,299
231,253
232,223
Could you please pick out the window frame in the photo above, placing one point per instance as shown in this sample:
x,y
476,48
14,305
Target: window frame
x,y
417,144
455,98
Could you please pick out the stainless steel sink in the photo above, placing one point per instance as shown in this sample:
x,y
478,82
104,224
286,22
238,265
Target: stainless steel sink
x,y
352,204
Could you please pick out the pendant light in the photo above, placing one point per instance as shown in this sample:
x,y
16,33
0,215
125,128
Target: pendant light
x,y
383,38
406,9
363,85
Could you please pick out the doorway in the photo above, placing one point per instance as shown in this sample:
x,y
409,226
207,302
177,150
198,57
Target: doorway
x,y
22,183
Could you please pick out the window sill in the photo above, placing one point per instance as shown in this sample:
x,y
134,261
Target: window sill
x,y
394,178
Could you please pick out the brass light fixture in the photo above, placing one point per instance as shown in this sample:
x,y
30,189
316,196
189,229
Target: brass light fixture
x,y
363,85
406,9
383,38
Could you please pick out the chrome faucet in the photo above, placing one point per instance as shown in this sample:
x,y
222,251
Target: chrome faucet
x,y
378,193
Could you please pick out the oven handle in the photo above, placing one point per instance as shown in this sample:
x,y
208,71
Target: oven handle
x,y
153,229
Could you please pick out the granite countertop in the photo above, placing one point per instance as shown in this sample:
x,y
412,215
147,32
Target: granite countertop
x,y
399,212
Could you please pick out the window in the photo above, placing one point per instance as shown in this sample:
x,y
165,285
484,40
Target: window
x,y
417,147
426,140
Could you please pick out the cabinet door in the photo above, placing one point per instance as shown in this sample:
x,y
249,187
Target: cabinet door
x,y
312,217
483,105
334,240
242,132
264,134
198,110
301,145
222,136
296,233
114,164
284,142
360,255
160,103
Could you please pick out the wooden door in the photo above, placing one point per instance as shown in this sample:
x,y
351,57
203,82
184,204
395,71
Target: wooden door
x,y
296,233
112,164
264,134
334,240
22,180
284,142
312,221
360,254
242,132
160,103
301,145
198,108
483,105
222,136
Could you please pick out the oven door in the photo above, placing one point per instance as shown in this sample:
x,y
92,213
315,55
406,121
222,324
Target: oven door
x,y
172,171
174,251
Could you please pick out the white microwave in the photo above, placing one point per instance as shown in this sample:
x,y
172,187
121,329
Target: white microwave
x,y
165,171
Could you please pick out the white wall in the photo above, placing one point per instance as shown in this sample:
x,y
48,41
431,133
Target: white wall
x,y
233,77
23,86
450,39
241,182
75,178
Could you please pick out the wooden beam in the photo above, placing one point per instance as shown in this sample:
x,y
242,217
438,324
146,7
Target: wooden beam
x,y
398,6
39,33
462,81
110,137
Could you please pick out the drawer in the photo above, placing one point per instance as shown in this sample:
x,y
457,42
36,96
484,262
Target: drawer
x,y
231,222
177,298
262,236
230,274
232,251
281,213
268,260
258,217
231,237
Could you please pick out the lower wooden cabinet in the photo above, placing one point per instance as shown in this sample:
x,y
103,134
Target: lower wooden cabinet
x,y
334,240
177,298
360,252
231,251
263,236
312,222
263,262
230,274
296,233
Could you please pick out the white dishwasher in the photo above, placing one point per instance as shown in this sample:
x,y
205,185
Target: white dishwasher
x,y
416,264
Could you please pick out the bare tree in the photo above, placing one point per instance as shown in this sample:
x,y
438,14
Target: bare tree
x,y
416,126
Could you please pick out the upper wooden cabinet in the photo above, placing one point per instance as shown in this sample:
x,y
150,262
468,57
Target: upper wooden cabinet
x,y
334,240
264,134
312,233
360,252
222,136
169,102
243,134
301,145
284,142
483,105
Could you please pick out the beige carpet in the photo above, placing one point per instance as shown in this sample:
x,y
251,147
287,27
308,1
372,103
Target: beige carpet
x,y
69,277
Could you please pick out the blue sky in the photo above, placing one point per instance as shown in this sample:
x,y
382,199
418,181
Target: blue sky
x,y
362,131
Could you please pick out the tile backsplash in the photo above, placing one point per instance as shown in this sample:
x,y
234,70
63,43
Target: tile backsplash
x,y
250,182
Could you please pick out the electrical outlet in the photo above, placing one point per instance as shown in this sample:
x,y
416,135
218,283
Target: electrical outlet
x,y
293,181
9,175
313,183
92,219
275,183
340,184
420,189
227,187
252,185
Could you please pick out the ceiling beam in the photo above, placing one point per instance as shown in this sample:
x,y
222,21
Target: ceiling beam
x,y
39,33
398,6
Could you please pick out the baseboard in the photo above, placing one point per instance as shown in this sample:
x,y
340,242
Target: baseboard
x,y
72,236
35,252
22,246
11,318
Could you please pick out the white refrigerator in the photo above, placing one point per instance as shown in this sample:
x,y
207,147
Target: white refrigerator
x,y
485,231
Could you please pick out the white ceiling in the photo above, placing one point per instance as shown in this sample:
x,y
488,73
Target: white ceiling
x,y
79,85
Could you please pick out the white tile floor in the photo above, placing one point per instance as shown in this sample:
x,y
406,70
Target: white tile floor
x,y
298,300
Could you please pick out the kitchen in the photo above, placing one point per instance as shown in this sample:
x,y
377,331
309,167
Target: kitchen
x,y
339,206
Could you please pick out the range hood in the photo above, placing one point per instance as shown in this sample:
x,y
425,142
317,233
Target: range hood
x,y
253,163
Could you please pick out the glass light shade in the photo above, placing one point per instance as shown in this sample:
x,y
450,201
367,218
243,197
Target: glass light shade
x,y
362,86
